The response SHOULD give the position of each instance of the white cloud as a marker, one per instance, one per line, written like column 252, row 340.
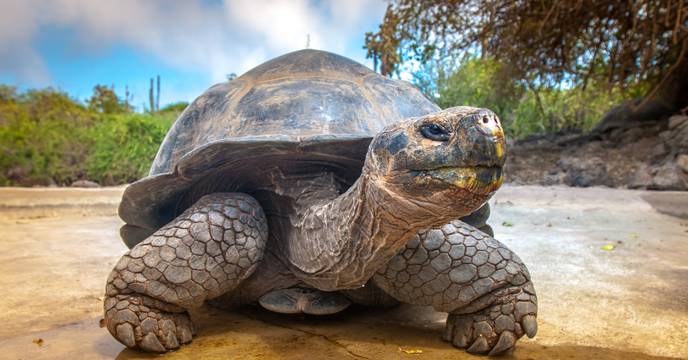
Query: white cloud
column 211, row 38
column 18, row 23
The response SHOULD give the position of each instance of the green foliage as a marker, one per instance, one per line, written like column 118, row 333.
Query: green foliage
column 41, row 138
column 124, row 146
column 524, row 108
column 176, row 108
column 621, row 43
column 482, row 83
column 46, row 137
column 553, row 110
column 104, row 100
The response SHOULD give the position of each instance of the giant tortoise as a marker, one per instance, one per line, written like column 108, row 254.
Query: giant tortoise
column 310, row 183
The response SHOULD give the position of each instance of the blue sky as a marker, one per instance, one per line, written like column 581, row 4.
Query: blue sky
column 192, row 44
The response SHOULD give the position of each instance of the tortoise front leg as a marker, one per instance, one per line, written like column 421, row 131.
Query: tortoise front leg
column 205, row 252
column 483, row 286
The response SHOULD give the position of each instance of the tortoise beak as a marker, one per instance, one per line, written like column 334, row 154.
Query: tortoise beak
column 475, row 179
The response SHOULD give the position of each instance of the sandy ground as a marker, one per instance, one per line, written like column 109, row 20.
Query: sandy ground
column 631, row 302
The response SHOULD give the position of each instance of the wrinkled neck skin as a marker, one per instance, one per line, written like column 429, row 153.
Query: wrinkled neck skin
column 339, row 241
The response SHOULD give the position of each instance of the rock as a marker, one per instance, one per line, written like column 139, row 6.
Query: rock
column 669, row 176
column 659, row 151
column 641, row 178
column 85, row 184
column 682, row 162
column 583, row 172
column 677, row 135
column 677, row 120
column 555, row 178
column 632, row 134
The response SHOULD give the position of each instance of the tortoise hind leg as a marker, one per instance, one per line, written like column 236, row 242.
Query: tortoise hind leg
column 483, row 286
column 205, row 252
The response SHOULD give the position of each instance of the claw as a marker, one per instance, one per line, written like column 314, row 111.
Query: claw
column 125, row 334
column 480, row 346
column 506, row 341
column 461, row 336
column 529, row 324
column 184, row 334
column 151, row 343
column 170, row 341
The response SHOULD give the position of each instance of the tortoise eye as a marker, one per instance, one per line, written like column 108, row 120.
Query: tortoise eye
column 434, row 132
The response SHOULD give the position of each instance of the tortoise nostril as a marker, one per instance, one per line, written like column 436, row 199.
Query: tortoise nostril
column 485, row 120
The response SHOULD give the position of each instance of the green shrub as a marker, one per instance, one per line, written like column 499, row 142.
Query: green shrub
column 523, row 108
column 553, row 110
column 43, row 138
column 48, row 138
column 481, row 83
column 125, row 145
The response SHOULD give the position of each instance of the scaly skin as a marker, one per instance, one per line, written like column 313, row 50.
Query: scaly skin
column 205, row 252
column 483, row 286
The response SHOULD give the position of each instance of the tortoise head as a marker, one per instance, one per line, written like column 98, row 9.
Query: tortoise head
column 449, row 161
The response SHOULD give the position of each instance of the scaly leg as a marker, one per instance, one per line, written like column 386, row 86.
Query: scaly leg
column 203, row 253
column 483, row 286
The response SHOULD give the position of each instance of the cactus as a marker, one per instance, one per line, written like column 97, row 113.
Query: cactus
column 157, row 94
column 154, row 95
column 151, row 101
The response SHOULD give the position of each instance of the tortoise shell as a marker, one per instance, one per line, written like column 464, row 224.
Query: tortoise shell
column 307, row 109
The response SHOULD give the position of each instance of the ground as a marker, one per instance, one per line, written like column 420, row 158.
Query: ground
column 610, row 271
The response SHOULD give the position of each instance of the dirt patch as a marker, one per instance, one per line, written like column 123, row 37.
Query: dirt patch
column 18, row 203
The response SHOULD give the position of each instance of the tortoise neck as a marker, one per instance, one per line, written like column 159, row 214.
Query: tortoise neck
column 339, row 244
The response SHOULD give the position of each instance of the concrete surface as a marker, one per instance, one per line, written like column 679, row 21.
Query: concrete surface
column 631, row 302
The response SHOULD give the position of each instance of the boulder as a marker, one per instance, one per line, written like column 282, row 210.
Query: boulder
column 676, row 136
column 667, row 176
column 584, row 172
column 85, row 184
column 682, row 162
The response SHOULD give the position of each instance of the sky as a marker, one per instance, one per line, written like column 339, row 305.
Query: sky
column 73, row 45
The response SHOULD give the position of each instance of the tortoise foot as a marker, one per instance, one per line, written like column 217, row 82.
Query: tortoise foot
column 494, row 330
column 304, row 300
column 138, row 322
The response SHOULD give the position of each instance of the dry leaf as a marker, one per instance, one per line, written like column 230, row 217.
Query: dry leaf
column 411, row 351
column 38, row 341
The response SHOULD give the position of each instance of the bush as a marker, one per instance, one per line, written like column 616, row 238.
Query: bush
column 125, row 145
column 481, row 83
column 524, row 108
column 43, row 138
column 555, row 110
column 48, row 138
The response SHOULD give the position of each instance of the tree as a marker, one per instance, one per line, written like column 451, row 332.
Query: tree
column 105, row 100
column 625, row 44
column 384, row 46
